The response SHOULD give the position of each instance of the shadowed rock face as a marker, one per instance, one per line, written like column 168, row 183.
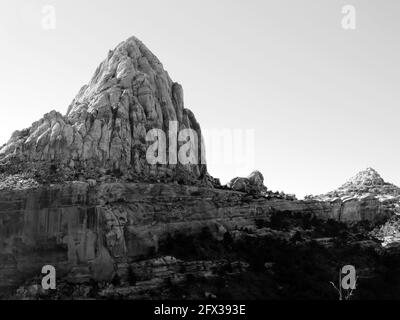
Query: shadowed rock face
column 106, row 124
column 98, row 231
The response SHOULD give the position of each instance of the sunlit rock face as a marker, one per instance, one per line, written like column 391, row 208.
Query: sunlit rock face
column 366, row 196
column 106, row 125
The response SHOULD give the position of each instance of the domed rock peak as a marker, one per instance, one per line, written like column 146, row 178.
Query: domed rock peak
column 366, row 184
column 109, row 126
column 368, row 177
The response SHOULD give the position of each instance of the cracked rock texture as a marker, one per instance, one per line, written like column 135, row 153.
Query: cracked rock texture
column 77, row 192
column 94, row 232
column 254, row 183
column 106, row 124
column 364, row 196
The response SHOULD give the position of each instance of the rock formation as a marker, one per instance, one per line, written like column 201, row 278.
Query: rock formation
column 254, row 183
column 77, row 192
column 97, row 231
column 364, row 195
column 106, row 124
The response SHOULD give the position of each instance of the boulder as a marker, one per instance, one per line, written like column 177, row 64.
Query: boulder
column 254, row 183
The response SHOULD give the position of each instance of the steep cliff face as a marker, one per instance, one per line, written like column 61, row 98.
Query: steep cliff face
column 106, row 125
column 97, row 231
column 126, row 240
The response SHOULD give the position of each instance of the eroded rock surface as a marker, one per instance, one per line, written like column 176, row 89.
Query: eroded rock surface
column 254, row 183
column 366, row 196
column 94, row 232
column 77, row 192
column 124, row 240
column 105, row 127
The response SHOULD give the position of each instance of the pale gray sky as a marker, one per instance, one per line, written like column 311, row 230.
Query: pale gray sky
column 323, row 101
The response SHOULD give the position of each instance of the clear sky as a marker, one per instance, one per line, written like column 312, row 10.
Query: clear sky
column 323, row 101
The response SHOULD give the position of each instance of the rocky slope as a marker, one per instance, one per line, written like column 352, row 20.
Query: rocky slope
column 364, row 194
column 77, row 192
column 106, row 125
column 366, row 183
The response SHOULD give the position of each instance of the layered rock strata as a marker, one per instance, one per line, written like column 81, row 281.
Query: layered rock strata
column 78, row 192
column 363, row 196
column 94, row 231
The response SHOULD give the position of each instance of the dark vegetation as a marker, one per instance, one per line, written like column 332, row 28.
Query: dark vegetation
column 298, row 268
column 284, row 259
